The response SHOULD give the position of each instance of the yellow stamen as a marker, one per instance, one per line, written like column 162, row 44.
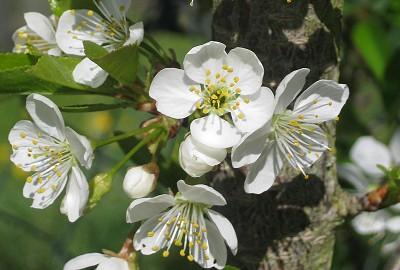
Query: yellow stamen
column 90, row 13
column 165, row 254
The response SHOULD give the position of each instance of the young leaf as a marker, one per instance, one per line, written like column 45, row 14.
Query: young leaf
column 121, row 64
column 13, row 60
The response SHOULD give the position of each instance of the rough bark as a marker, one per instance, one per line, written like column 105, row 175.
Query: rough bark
column 291, row 226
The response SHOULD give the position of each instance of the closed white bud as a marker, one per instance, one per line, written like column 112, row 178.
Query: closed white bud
column 141, row 181
column 196, row 159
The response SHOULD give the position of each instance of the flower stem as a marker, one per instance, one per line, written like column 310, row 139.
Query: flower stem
column 135, row 149
column 125, row 136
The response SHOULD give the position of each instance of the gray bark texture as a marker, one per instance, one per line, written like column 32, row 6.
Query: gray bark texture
column 292, row 225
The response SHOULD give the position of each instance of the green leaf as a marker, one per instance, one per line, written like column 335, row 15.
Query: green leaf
column 228, row 267
column 13, row 60
column 59, row 6
column 121, row 64
column 143, row 156
column 57, row 70
column 371, row 41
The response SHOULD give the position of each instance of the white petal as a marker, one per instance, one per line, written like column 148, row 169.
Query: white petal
column 250, row 147
column 321, row 102
column 139, row 182
column 80, row 147
column 44, row 188
column 77, row 195
column 225, row 228
column 264, row 171
column 395, row 147
column 198, row 159
column 369, row 223
column 46, row 115
column 211, row 156
column 141, row 241
column 117, row 8
column 248, row 68
column 28, row 141
column 214, row 131
column 368, row 152
column 89, row 73
column 54, row 52
column 216, row 245
column 136, row 33
column 256, row 112
column 170, row 89
column 41, row 25
column 355, row 176
column 69, row 38
column 18, row 40
column 393, row 225
column 84, row 261
column 289, row 88
column 113, row 263
column 209, row 56
column 144, row 208
column 200, row 194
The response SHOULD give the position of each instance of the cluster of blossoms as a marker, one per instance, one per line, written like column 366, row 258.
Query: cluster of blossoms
column 364, row 175
column 66, row 35
column 263, row 131
column 229, row 111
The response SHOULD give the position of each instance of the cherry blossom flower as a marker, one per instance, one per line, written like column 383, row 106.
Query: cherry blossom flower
column 215, row 84
column 104, row 262
column 111, row 31
column 38, row 34
column 53, row 152
column 200, row 239
column 292, row 134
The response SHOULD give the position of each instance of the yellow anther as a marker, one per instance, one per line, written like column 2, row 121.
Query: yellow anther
column 155, row 248
column 204, row 246
column 29, row 179
column 90, row 13
column 160, row 219
column 35, row 142
column 337, row 118
column 223, row 80
column 22, row 135
column 40, row 180
column 53, row 187
column 241, row 116
column 236, row 79
column 150, row 234
column 206, row 257
column 208, row 81
column 165, row 254
column 330, row 103
column 198, row 104
column 192, row 88
column 33, row 168
column 238, row 103
column 232, row 85
column 294, row 123
column 208, row 72
column 316, row 116
column 58, row 173
column 178, row 243
column 230, row 69
column 203, row 229
column 214, row 96
column 41, row 190
column 301, row 117
column 238, row 90
column 234, row 107
column 225, row 67
column 206, row 110
column 182, row 253
column 191, row 244
column 190, row 258
column 217, row 76
column 15, row 147
column 22, row 35
column 306, row 177
column 246, row 100
column 296, row 143
column 315, row 101
column 289, row 156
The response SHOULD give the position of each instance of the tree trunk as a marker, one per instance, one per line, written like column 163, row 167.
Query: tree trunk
column 292, row 225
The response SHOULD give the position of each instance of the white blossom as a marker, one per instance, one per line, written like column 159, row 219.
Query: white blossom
column 292, row 134
column 197, row 159
column 215, row 84
column 111, row 31
column 364, row 175
column 187, row 222
column 104, row 262
column 38, row 34
column 53, row 152
column 140, row 181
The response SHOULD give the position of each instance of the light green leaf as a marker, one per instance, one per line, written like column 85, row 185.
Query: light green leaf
column 121, row 64
column 13, row 60
column 228, row 267
column 371, row 41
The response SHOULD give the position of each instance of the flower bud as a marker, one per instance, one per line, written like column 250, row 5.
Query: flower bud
column 197, row 159
column 141, row 180
column 99, row 186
